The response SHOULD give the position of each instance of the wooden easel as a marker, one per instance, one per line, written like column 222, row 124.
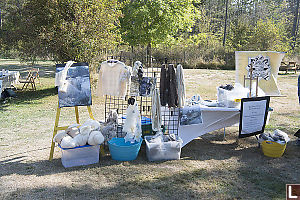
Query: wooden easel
column 57, row 128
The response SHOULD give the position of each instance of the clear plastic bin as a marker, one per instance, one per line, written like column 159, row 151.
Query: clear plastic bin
column 82, row 155
column 170, row 150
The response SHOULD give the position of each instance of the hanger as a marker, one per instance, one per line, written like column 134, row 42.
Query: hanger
column 112, row 61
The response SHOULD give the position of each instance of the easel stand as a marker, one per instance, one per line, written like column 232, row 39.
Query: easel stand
column 58, row 128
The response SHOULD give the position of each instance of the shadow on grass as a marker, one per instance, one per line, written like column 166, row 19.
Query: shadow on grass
column 27, row 97
column 255, row 177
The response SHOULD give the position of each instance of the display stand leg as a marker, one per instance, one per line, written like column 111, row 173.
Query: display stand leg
column 54, row 132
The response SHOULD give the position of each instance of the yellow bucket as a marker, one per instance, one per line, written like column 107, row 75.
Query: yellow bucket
column 273, row 149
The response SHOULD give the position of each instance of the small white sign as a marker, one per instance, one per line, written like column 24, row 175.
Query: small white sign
column 253, row 116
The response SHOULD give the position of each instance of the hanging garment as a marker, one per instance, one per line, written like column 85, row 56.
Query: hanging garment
column 134, row 86
column 156, row 112
column 180, row 86
column 163, row 89
column 168, row 86
column 147, row 85
column 137, row 76
column 173, row 93
column 114, row 77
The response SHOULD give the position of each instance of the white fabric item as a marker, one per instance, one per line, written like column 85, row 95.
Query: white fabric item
column 114, row 77
column 156, row 111
column 68, row 142
column 214, row 118
column 60, row 77
column 95, row 138
column 132, row 125
column 180, row 86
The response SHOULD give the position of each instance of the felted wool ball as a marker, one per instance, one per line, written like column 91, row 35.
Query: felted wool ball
column 95, row 125
column 85, row 130
column 95, row 138
column 81, row 139
column 67, row 142
column 72, row 131
column 59, row 136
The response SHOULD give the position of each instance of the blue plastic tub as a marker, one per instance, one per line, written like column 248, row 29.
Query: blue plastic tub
column 119, row 150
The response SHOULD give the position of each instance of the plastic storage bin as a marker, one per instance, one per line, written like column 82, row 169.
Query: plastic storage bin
column 82, row 155
column 272, row 149
column 119, row 150
column 170, row 150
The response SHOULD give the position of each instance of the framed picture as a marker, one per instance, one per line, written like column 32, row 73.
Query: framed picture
column 77, row 91
column 190, row 115
column 254, row 112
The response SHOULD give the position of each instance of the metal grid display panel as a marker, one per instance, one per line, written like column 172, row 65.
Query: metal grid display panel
column 170, row 116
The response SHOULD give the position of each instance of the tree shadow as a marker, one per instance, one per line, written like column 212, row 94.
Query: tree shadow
column 27, row 97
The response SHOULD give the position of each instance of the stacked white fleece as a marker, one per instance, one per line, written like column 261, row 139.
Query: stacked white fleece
column 75, row 135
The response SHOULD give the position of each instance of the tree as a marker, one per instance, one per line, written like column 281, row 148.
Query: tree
column 151, row 22
column 66, row 29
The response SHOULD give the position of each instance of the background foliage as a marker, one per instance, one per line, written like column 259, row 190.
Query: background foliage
column 193, row 31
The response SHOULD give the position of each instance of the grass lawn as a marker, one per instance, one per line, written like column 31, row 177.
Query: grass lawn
column 210, row 168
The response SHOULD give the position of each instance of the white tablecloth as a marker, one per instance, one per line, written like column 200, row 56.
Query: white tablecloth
column 8, row 79
column 214, row 118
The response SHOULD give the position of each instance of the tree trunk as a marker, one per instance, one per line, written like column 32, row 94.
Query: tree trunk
column 149, row 55
column 295, row 25
column 226, row 14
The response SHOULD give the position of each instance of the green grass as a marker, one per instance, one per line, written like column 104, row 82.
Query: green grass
column 210, row 168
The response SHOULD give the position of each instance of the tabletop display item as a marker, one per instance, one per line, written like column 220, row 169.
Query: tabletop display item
column 265, row 67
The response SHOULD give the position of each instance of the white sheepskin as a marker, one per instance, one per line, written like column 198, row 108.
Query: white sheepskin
column 67, row 142
column 95, row 138
column 59, row 136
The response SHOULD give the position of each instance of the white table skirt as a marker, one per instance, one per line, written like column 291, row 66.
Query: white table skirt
column 214, row 118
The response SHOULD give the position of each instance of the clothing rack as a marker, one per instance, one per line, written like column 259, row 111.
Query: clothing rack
column 170, row 116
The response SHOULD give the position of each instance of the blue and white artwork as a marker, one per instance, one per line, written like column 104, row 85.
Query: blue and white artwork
column 78, row 87
column 190, row 115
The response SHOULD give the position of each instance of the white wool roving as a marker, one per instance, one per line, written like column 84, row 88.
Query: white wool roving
column 67, row 142
column 95, row 125
column 59, row 136
column 95, row 138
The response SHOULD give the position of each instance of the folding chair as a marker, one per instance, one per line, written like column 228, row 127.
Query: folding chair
column 32, row 75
